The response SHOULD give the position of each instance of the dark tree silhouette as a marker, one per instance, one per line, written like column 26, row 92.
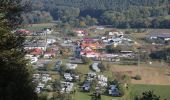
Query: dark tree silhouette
column 15, row 79
column 148, row 95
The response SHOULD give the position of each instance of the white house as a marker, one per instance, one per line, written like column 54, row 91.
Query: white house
column 67, row 87
column 95, row 67
column 51, row 41
column 71, row 66
column 102, row 80
column 68, row 76
column 48, row 30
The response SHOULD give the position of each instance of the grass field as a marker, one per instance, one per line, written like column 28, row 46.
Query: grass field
column 162, row 90
column 37, row 27
column 86, row 96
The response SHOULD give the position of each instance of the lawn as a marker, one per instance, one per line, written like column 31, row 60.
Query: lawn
column 37, row 27
column 82, row 68
column 162, row 90
column 86, row 96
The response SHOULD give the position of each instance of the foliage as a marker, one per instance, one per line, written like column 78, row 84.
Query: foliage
column 113, row 49
column 59, row 96
column 42, row 96
column 121, row 89
column 86, row 60
column 118, row 13
column 163, row 54
column 96, row 96
column 63, row 68
column 93, row 86
column 148, row 95
column 102, row 67
column 138, row 77
column 56, row 85
column 37, row 17
column 108, row 66
column 15, row 74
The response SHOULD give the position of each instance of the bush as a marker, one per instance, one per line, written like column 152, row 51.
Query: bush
column 138, row 77
column 86, row 60
column 102, row 67
column 121, row 89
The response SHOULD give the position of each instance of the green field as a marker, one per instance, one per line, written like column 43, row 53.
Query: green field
column 162, row 90
column 38, row 27
column 86, row 96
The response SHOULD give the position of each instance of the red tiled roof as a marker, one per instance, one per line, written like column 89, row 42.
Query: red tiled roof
column 37, row 51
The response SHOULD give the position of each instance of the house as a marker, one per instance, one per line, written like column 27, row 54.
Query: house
column 91, row 76
column 23, row 32
column 108, row 57
column 102, row 80
column 36, row 51
column 59, row 62
column 40, row 44
column 74, row 60
column 159, row 34
column 71, row 66
column 89, row 54
column 66, row 87
column 115, row 41
column 95, row 67
column 48, row 30
column 68, row 76
column 113, row 90
column 86, row 86
column 50, row 54
column 39, row 87
column 31, row 58
column 100, row 28
column 116, row 33
column 88, row 40
column 80, row 32
column 46, row 78
column 38, row 33
column 51, row 41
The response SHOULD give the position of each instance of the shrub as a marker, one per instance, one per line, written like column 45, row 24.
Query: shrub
column 138, row 77
column 86, row 60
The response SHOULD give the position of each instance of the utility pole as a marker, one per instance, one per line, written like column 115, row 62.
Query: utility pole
column 138, row 61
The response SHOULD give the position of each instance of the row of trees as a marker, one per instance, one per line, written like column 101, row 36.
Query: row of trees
column 163, row 54
column 37, row 17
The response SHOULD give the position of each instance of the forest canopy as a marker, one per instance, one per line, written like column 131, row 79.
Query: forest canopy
column 119, row 13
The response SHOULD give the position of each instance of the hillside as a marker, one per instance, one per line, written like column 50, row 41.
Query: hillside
column 119, row 13
column 103, row 4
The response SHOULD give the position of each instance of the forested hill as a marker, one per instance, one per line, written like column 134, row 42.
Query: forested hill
column 119, row 13
column 104, row 4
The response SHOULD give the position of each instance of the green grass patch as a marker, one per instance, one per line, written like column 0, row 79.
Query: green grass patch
column 37, row 27
column 161, row 90
column 83, row 68
column 86, row 96
column 81, row 96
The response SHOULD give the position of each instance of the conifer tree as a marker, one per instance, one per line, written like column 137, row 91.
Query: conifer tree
column 15, row 79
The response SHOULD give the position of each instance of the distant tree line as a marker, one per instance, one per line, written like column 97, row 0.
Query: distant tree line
column 118, row 13
column 37, row 17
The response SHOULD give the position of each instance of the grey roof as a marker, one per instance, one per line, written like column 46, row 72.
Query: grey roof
column 160, row 33
column 35, row 44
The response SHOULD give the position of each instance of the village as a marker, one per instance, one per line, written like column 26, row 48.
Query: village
column 88, row 63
